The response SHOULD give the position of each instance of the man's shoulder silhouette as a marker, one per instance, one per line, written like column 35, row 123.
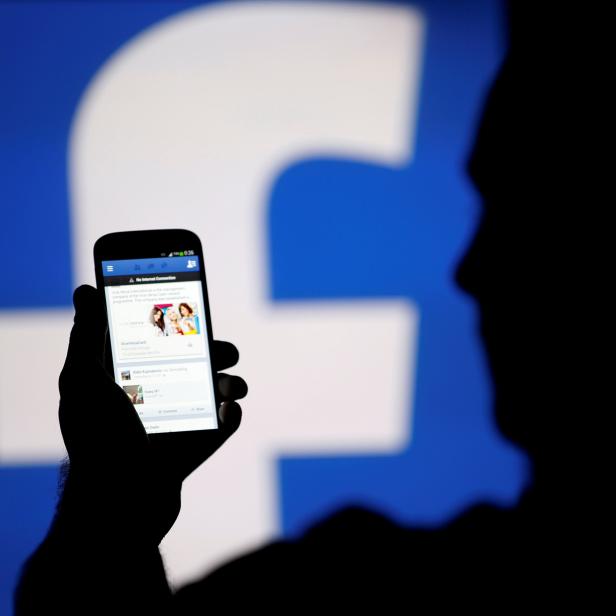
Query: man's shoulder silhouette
column 357, row 556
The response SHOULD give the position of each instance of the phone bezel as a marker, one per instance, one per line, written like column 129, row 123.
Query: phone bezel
column 151, row 244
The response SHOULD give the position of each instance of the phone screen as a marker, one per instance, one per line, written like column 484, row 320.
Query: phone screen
column 159, row 342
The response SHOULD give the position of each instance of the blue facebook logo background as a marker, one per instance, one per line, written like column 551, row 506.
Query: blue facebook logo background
column 337, row 229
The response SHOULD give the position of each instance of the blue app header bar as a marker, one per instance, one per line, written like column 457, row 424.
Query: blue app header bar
column 135, row 267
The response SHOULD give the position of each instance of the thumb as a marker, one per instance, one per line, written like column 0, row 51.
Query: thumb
column 83, row 369
column 87, row 340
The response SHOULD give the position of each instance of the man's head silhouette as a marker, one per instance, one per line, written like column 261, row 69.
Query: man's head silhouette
column 504, row 267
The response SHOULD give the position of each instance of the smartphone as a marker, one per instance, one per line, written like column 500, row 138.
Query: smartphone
column 159, row 344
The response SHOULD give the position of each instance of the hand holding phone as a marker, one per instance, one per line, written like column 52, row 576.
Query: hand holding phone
column 117, row 463
column 120, row 475
column 122, row 491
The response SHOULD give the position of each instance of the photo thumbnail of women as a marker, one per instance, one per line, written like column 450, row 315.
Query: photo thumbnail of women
column 175, row 320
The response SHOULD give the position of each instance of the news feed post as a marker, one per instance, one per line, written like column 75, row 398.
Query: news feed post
column 159, row 343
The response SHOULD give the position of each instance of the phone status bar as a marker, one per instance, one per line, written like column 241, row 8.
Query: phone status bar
column 178, row 253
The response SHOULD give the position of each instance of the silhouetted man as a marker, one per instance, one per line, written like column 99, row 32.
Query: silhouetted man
column 119, row 500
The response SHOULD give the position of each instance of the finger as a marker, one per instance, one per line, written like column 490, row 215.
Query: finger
column 231, row 387
column 225, row 355
column 230, row 414
column 90, row 325
column 83, row 363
